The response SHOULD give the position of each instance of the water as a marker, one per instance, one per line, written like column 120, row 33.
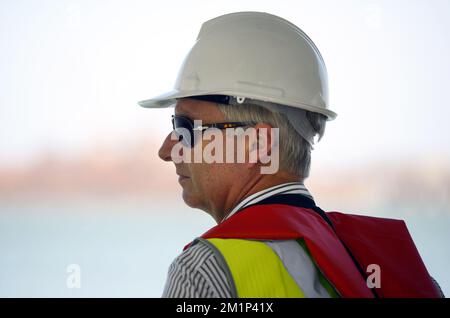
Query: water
column 124, row 248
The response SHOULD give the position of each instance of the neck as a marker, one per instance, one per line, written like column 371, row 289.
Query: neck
column 257, row 183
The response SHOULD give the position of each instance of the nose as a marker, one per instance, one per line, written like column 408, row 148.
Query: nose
column 166, row 148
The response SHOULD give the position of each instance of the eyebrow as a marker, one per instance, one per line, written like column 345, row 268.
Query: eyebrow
column 186, row 113
column 183, row 113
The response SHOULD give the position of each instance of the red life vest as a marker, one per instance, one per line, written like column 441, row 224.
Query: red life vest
column 371, row 240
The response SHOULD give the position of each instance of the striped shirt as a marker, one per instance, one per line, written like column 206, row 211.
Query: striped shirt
column 197, row 272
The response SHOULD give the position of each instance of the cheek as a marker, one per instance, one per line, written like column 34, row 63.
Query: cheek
column 200, row 173
column 207, row 178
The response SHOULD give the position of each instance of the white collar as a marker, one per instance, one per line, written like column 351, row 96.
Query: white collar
column 285, row 188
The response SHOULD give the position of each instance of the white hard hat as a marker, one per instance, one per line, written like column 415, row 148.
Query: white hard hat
column 252, row 55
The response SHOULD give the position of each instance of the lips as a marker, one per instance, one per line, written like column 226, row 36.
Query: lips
column 182, row 177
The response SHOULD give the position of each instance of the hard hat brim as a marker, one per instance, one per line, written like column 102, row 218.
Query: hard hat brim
column 169, row 99
column 162, row 101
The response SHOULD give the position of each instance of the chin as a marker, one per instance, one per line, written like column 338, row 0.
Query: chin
column 191, row 201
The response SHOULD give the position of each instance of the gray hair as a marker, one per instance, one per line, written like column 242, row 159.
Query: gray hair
column 295, row 151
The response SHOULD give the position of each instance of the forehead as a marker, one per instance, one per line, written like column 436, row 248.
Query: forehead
column 198, row 109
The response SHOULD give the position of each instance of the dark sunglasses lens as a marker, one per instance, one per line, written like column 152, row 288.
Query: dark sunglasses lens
column 183, row 128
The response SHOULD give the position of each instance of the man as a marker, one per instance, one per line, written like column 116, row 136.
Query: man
column 250, row 98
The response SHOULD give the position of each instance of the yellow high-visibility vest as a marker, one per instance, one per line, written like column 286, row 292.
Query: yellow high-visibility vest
column 254, row 270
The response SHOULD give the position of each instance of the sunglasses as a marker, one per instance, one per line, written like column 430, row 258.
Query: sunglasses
column 184, row 128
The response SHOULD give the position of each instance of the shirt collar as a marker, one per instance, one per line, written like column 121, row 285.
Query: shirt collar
column 285, row 188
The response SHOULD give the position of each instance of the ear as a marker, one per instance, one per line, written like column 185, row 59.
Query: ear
column 261, row 148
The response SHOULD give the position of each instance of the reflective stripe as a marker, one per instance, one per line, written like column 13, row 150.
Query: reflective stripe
column 256, row 269
column 299, row 265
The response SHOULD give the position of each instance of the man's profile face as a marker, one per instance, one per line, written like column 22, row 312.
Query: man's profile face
column 205, row 185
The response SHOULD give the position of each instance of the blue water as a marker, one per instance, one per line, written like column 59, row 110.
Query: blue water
column 124, row 248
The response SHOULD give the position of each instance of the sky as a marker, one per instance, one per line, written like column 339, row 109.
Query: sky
column 71, row 72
